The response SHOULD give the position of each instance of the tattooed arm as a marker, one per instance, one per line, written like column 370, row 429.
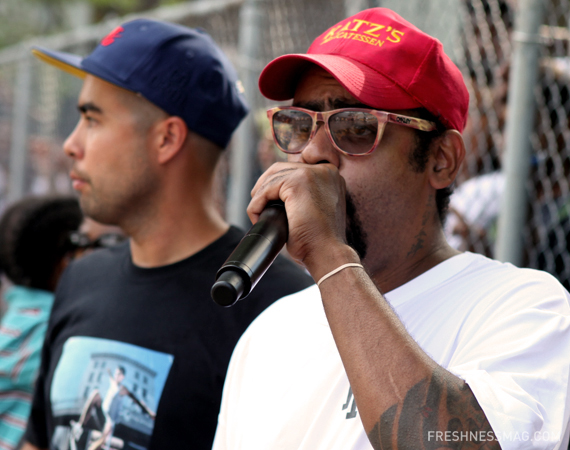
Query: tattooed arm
column 439, row 412
column 405, row 400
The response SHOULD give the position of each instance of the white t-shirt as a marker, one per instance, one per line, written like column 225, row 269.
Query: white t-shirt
column 504, row 330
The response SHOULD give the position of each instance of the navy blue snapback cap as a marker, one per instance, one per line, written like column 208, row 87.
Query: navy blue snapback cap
column 179, row 69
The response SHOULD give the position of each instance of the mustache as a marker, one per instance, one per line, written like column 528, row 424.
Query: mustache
column 75, row 173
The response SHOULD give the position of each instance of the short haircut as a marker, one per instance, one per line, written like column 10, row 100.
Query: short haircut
column 144, row 112
column 34, row 238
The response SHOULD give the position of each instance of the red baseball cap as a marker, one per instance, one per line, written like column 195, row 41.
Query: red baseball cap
column 384, row 62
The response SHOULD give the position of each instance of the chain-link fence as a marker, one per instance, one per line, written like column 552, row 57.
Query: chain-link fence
column 38, row 107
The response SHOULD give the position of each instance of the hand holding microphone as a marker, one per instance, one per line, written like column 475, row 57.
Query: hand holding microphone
column 314, row 193
column 252, row 257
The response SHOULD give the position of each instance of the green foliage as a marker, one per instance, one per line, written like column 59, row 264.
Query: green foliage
column 23, row 19
column 125, row 5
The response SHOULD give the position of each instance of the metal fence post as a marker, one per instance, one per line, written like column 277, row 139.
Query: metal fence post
column 244, row 151
column 19, row 145
column 520, row 121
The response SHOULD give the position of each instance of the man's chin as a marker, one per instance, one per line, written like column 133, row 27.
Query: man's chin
column 93, row 211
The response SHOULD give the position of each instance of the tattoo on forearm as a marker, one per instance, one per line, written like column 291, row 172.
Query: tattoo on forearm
column 437, row 413
column 382, row 431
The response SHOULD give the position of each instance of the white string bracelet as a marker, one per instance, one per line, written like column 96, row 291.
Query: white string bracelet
column 337, row 270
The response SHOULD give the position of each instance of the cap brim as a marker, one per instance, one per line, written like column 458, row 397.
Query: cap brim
column 279, row 80
column 65, row 61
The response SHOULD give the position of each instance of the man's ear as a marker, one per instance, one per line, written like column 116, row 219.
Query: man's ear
column 447, row 158
column 170, row 135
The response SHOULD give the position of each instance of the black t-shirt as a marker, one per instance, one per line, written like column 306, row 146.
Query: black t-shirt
column 137, row 357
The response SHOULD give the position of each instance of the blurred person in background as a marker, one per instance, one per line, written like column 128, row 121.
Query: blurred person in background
column 549, row 200
column 475, row 205
column 34, row 250
column 159, row 104
column 93, row 235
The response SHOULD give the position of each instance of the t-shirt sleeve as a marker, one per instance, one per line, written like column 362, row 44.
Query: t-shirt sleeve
column 515, row 358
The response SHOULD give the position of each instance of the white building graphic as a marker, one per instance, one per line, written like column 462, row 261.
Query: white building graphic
column 139, row 380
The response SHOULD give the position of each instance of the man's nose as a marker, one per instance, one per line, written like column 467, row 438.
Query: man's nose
column 320, row 149
column 72, row 146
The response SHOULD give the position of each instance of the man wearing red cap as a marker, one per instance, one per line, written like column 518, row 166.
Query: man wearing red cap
column 418, row 345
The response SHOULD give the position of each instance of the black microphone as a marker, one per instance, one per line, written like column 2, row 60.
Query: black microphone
column 252, row 257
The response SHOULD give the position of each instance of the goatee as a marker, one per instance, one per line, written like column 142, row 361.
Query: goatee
column 355, row 234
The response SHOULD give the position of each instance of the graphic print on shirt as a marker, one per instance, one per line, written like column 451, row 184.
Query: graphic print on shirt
column 350, row 402
column 105, row 393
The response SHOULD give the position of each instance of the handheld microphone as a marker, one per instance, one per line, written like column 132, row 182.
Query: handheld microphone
column 252, row 257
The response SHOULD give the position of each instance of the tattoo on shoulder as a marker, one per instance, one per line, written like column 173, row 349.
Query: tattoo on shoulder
column 438, row 413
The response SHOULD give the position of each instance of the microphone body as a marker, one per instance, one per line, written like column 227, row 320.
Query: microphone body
column 252, row 257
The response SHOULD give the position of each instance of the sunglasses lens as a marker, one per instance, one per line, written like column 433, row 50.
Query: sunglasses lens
column 353, row 131
column 292, row 129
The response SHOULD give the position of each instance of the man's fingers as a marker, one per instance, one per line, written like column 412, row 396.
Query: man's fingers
column 284, row 180
column 268, row 188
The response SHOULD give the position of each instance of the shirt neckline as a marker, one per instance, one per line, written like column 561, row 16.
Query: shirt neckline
column 198, row 259
column 427, row 280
